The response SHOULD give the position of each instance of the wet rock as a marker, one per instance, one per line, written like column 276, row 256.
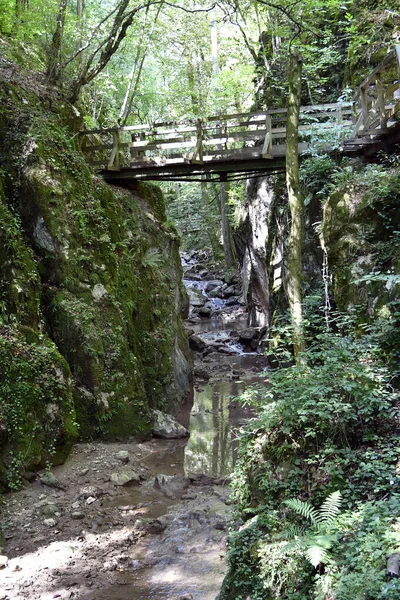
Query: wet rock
column 123, row 456
column 247, row 335
column 51, row 481
column 196, row 297
column 171, row 485
column 165, row 426
column 211, row 285
column 201, row 373
column 125, row 478
column 205, row 312
column 196, row 343
column 229, row 291
column 152, row 526
column 233, row 301
column 216, row 292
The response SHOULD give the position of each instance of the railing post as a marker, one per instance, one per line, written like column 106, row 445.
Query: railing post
column 266, row 151
column 397, row 52
column 381, row 102
column 198, row 151
column 113, row 163
column 364, row 106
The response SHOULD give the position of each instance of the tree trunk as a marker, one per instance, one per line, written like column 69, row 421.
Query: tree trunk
column 54, row 53
column 227, row 241
column 296, row 203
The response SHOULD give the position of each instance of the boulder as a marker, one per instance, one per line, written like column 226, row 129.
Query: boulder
column 171, row 485
column 229, row 291
column 196, row 297
column 211, row 285
column 201, row 373
column 51, row 481
column 165, row 426
column 205, row 312
column 196, row 343
column 249, row 334
column 125, row 478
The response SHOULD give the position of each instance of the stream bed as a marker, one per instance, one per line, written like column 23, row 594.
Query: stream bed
column 163, row 537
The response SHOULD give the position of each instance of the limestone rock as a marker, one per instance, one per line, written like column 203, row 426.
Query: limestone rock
column 196, row 297
column 165, row 426
column 51, row 481
column 125, row 478
column 123, row 456
column 196, row 343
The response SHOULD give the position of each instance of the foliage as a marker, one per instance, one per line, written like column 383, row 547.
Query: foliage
column 323, row 425
column 36, row 406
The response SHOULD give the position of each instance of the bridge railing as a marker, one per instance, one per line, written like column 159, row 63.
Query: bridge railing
column 377, row 99
column 223, row 137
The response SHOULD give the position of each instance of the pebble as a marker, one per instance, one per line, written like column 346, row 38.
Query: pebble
column 50, row 522
column 77, row 515
column 90, row 500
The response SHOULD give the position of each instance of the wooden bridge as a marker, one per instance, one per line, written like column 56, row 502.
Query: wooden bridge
column 233, row 146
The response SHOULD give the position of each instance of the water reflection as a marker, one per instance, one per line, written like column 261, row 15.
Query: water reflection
column 215, row 418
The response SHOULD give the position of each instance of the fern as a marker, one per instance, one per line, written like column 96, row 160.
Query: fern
column 303, row 509
column 330, row 508
column 313, row 543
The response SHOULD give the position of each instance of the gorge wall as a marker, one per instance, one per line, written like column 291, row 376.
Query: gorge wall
column 91, row 336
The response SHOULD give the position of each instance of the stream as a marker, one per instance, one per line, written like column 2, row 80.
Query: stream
column 165, row 538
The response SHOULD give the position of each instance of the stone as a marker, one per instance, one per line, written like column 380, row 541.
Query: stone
column 50, row 522
column 165, row 426
column 49, row 509
column 196, row 297
column 171, row 485
column 153, row 526
column 216, row 293
column 247, row 335
column 3, row 561
column 196, row 343
column 125, row 478
column 90, row 500
column 205, row 312
column 211, row 285
column 229, row 291
column 51, row 481
column 77, row 515
column 123, row 456
column 201, row 373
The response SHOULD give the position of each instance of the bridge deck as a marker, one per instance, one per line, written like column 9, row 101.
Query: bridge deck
column 226, row 146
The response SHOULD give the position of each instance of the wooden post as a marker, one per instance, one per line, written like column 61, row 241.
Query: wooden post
column 266, row 151
column 381, row 102
column 364, row 106
column 113, row 163
column 397, row 51
column 198, row 151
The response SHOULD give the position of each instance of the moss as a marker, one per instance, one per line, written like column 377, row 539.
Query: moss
column 37, row 414
column 106, row 275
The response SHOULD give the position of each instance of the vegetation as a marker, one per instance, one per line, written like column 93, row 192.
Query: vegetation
column 90, row 276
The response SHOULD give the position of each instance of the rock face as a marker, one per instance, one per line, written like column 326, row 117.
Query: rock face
column 165, row 426
column 100, row 267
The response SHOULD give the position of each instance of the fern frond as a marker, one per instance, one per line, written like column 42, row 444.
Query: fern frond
column 303, row 509
column 329, row 508
column 292, row 532
column 316, row 555
column 295, row 545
